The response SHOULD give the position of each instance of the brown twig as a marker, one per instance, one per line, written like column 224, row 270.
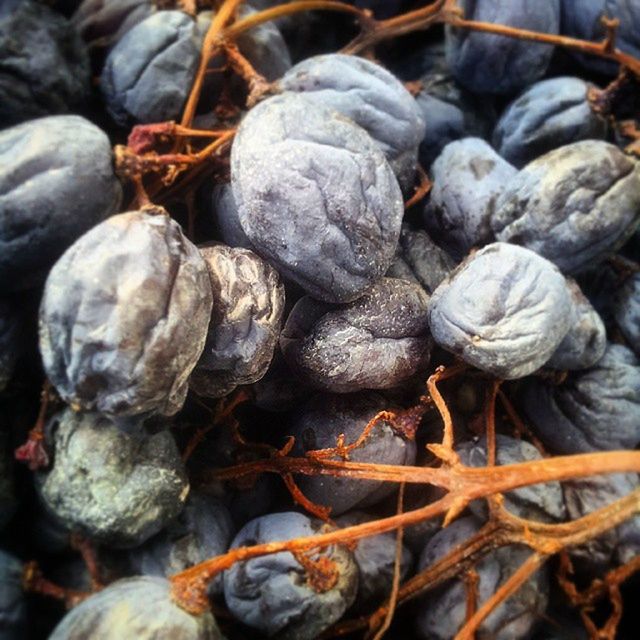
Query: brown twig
column 34, row 582
column 397, row 568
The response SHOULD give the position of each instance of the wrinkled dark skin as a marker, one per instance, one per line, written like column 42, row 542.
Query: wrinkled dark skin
column 442, row 612
column 375, row 557
column 245, row 321
column 148, row 74
column 13, row 606
column 370, row 96
column 317, row 426
column 489, row 63
column 315, row 196
column 615, row 547
column 45, row 66
column 549, row 114
column 376, row 342
column 586, row 341
column 56, row 182
column 468, row 177
column 504, row 310
column 574, row 205
column 124, row 316
column 117, row 488
column 540, row 502
column 597, row 409
column 420, row 260
column 139, row 608
column 627, row 311
column 202, row 530
column 271, row 593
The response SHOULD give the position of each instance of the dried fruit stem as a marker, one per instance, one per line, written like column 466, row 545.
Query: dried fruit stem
column 506, row 590
column 220, row 19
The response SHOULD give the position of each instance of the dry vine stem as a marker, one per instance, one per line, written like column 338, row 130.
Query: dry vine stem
column 463, row 483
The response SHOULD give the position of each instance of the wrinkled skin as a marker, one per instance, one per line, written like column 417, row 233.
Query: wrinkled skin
column 139, row 608
column 13, row 607
column 549, row 114
column 117, row 488
column 272, row 593
column 420, row 260
column 315, row 196
column 442, row 612
column 148, row 74
column 582, row 19
column 450, row 113
column 597, row 409
column 45, row 67
column 370, row 96
column 586, row 341
column 468, row 177
column 627, row 311
column 56, row 182
column 124, row 316
column 376, row 342
column 504, row 310
column 203, row 530
column 540, row 502
column 245, row 321
column 489, row 63
column 318, row 425
column 616, row 546
column 573, row 206
column 375, row 557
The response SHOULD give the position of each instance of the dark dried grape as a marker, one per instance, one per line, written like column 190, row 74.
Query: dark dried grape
column 124, row 316
column 489, row 63
column 370, row 96
column 468, row 178
column 504, row 310
column 45, row 67
column 245, row 321
column 56, row 182
column 148, row 74
column 574, row 205
column 376, row 342
column 549, row 114
column 275, row 594
column 443, row 612
column 593, row 410
column 117, row 488
column 319, row 424
column 315, row 196
column 540, row 502
column 586, row 341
